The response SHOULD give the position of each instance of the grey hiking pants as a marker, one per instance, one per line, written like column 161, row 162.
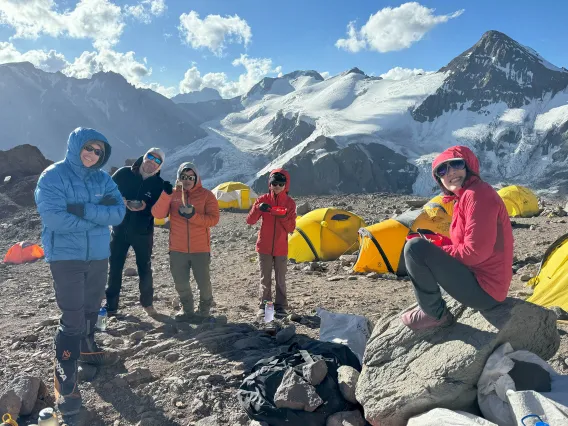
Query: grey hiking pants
column 430, row 268
column 181, row 264
column 79, row 290
column 280, row 263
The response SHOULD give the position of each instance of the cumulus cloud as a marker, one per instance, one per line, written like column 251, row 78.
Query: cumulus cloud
column 50, row 61
column 213, row 32
column 255, row 70
column 399, row 73
column 145, row 10
column 392, row 29
column 99, row 20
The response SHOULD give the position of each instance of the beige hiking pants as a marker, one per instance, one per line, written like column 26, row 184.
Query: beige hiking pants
column 266, row 263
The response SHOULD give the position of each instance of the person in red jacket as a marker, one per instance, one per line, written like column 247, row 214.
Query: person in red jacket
column 475, row 267
column 277, row 210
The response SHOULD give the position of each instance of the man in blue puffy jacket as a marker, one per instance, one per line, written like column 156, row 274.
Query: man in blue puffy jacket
column 77, row 202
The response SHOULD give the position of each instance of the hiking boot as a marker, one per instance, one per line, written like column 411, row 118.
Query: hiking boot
column 184, row 316
column 150, row 311
column 417, row 319
column 92, row 354
column 280, row 312
column 65, row 386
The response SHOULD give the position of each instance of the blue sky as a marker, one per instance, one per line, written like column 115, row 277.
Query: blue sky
column 175, row 45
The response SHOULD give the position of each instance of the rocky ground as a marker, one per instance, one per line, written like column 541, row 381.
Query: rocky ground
column 179, row 374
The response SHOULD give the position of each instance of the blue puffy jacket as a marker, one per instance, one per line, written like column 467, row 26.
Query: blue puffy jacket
column 66, row 236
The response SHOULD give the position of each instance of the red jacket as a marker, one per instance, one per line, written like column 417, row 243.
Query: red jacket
column 481, row 232
column 273, row 235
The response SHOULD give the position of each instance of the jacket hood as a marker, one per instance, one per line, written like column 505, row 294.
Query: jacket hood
column 285, row 173
column 77, row 139
column 457, row 152
column 189, row 165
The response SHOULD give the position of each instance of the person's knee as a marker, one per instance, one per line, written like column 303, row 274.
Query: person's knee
column 416, row 248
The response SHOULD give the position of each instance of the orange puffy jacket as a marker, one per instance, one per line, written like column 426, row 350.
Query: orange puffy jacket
column 189, row 235
column 273, row 234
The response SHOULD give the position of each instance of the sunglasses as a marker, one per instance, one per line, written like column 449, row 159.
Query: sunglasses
column 278, row 183
column 155, row 159
column 186, row 177
column 445, row 168
column 98, row 152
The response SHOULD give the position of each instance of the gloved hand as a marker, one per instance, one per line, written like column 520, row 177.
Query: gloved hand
column 186, row 211
column 263, row 207
column 76, row 209
column 167, row 187
column 108, row 200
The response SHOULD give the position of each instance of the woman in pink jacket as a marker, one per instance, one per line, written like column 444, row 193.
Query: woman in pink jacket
column 475, row 267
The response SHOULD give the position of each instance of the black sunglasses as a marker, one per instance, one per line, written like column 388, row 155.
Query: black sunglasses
column 278, row 183
column 98, row 152
column 155, row 159
column 186, row 177
column 445, row 168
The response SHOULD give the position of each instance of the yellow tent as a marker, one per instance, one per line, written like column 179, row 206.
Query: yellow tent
column 382, row 244
column 324, row 234
column 234, row 195
column 551, row 283
column 520, row 201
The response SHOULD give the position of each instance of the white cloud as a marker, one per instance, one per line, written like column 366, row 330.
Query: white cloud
column 398, row 73
column 168, row 92
column 98, row 20
column 393, row 29
column 51, row 61
column 214, row 31
column 256, row 69
column 325, row 75
column 145, row 10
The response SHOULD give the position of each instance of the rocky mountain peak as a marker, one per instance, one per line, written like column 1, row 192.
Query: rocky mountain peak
column 495, row 69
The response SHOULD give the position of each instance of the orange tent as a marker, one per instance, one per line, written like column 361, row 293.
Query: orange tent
column 23, row 252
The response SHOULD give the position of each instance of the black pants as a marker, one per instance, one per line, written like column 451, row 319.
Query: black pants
column 119, row 245
column 430, row 268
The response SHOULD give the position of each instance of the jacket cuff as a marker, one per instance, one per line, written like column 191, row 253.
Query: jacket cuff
column 90, row 211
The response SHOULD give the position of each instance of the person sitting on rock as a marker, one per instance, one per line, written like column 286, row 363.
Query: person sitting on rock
column 475, row 267
column 193, row 212
column 272, row 243
column 140, row 186
column 77, row 202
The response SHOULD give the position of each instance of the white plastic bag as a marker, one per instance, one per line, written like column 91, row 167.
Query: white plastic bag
column 347, row 329
column 495, row 382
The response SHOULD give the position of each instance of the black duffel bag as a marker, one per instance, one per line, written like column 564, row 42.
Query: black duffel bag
column 256, row 393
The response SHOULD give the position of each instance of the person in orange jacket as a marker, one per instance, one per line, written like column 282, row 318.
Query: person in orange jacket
column 277, row 210
column 193, row 211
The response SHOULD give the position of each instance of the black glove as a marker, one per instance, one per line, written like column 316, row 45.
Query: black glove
column 168, row 188
column 264, row 207
column 108, row 200
column 186, row 211
column 76, row 209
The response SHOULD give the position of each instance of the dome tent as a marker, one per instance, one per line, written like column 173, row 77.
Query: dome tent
column 519, row 201
column 235, row 195
column 324, row 234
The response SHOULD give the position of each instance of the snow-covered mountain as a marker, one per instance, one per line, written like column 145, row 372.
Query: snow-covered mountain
column 41, row 109
column 356, row 133
column 203, row 95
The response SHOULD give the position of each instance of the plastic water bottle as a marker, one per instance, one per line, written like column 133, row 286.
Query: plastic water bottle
column 268, row 311
column 102, row 319
column 47, row 417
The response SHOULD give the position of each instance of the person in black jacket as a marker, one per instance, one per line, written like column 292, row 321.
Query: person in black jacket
column 140, row 186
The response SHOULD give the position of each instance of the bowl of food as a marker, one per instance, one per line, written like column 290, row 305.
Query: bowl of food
column 134, row 204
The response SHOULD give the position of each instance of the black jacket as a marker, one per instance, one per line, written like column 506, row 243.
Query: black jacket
column 133, row 187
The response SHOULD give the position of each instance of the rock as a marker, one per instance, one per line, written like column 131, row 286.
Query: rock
column 87, row 372
column 48, row 322
column 20, row 396
column 372, row 275
column 137, row 335
column 315, row 372
column 130, row 272
column 347, row 259
column 172, row 356
column 416, row 203
column 302, row 209
column 346, row 418
column 139, row 375
column 335, row 278
column 406, row 373
column 561, row 314
column 295, row 393
column 10, row 403
column 255, row 342
column 347, row 378
column 285, row 334
column 208, row 421
column 526, row 277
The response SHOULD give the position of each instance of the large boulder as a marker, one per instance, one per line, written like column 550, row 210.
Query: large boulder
column 406, row 373
column 21, row 161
